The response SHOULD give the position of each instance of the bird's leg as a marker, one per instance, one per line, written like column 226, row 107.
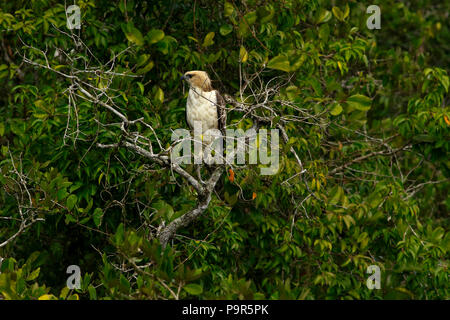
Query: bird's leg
column 198, row 166
column 199, row 174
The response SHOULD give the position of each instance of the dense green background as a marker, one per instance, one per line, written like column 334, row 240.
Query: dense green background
column 369, row 91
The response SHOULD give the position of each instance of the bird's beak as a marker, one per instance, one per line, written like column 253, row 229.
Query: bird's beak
column 182, row 78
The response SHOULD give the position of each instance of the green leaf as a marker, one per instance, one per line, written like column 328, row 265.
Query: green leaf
column 34, row 274
column 324, row 16
column 424, row 138
column 62, row 193
column 164, row 209
column 97, row 216
column 124, row 284
column 71, row 201
column 359, row 102
column 159, row 95
column 64, row 292
column 348, row 220
column 143, row 58
column 250, row 18
column 124, row 96
column 154, row 35
column 225, row 29
column 336, row 109
column 268, row 14
column 194, row 289
column 141, row 87
column 228, row 9
column 147, row 68
column 338, row 13
column 92, row 293
column 208, row 39
column 279, row 63
column 335, row 195
column 243, row 55
column 231, row 199
column 445, row 82
column 347, row 11
column 119, row 236
column 324, row 32
column 135, row 36
column 47, row 297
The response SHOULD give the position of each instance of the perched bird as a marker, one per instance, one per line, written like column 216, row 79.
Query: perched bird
column 204, row 104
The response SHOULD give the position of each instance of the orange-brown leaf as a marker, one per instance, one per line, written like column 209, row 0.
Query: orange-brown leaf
column 231, row 175
column 447, row 120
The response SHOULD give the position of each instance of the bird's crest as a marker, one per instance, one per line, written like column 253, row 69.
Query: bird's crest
column 198, row 79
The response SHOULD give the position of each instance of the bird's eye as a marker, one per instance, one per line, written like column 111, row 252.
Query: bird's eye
column 189, row 76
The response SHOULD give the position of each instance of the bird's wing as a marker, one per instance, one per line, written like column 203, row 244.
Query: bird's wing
column 221, row 112
column 186, row 115
column 186, row 118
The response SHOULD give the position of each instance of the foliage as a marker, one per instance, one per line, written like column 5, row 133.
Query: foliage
column 374, row 148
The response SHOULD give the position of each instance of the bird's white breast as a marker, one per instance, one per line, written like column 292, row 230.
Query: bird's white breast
column 201, row 106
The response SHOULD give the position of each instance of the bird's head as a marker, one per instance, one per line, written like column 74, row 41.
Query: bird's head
column 198, row 80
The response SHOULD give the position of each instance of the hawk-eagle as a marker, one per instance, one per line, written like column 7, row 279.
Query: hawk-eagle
column 204, row 104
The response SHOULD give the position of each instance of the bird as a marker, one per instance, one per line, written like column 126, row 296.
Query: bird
column 204, row 104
